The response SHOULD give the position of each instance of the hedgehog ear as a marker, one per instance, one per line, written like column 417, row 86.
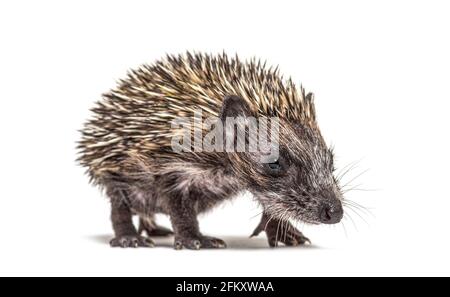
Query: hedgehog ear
column 235, row 106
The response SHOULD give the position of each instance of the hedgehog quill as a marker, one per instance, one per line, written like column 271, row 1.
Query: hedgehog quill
column 127, row 148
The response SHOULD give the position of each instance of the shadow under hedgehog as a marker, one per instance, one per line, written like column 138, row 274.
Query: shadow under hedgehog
column 126, row 148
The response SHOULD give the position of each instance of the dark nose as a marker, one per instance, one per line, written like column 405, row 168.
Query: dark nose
column 330, row 214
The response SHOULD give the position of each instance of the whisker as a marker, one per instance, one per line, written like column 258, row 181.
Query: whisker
column 347, row 215
column 350, row 166
column 358, row 206
column 343, row 169
column 354, row 178
column 357, row 213
column 345, row 230
column 278, row 227
column 359, row 189
column 258, row 214
column 345, row 189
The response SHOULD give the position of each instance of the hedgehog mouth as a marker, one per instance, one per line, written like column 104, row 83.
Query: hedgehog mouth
column 299, row 215
column 310, row 217
column 307, row 220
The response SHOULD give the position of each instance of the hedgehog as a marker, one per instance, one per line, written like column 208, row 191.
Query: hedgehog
column 127, row 149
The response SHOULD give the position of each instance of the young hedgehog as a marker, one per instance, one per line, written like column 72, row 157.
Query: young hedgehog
column 126, row 148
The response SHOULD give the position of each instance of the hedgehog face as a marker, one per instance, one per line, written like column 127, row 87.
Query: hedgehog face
column 299, row 182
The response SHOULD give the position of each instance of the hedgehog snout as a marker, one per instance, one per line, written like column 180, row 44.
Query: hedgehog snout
column 330, row 212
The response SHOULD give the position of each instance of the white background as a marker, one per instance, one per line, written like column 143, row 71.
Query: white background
column 380, row 72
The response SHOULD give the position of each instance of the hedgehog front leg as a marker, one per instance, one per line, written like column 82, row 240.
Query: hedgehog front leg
column 279, row 231
column 185, row 225
column 126, row 235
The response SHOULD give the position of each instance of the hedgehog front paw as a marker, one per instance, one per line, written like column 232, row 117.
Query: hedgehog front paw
column 283, row 232
column 131, row 241
column 199, row 242
column 291, row 237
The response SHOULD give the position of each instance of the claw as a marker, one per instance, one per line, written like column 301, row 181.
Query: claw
column 306, row 240
column 197, row 245
column 178, row 245
column 204, row 242
column 257, row 230
column 131, row 241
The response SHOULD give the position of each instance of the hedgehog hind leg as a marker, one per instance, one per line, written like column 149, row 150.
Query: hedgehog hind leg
column 148, row 225
column 126, row 235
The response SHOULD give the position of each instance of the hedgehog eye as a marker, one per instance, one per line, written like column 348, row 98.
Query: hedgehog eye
column 276, row 166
